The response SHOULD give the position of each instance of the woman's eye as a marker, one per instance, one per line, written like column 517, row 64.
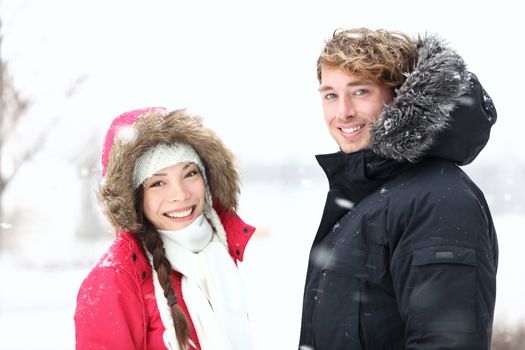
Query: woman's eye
column 156, row 184
column 191, row 173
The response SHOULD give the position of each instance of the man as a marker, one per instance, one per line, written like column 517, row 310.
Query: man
column 406, row 253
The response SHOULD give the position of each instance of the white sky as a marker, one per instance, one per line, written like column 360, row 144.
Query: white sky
column 248, row 67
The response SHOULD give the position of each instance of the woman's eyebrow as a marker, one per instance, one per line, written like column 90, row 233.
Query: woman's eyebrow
column 188, row 165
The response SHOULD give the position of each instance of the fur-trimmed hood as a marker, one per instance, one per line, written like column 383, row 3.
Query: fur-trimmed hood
column 441, row 110
column 133, row 133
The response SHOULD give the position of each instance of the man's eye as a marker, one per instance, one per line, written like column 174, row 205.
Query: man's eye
column 360, row 92
column 330, row 96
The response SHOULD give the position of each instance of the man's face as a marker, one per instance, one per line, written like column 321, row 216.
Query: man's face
column 350, row 106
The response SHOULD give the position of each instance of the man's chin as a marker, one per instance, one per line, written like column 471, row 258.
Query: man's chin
column 350, row 148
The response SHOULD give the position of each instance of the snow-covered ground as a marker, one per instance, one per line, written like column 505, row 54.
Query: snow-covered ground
column 37, row 297
column 85, row 61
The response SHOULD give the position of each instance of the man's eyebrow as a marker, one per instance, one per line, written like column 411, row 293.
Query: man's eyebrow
column 354, row 83
column 325, row 88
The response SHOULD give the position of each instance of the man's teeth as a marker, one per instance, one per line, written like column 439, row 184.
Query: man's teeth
column 349, row 130
column 179, row 214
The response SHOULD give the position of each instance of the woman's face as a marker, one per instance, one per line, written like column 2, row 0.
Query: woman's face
column 174, row 196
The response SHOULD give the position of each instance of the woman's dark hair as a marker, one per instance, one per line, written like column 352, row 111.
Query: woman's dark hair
column 153, row 243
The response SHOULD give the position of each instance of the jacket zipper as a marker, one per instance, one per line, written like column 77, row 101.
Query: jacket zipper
column 363, row 343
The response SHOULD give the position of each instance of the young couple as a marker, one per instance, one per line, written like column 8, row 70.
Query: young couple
column 405, row 256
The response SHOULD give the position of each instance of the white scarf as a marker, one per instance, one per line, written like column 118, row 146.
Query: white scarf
column 211, row 288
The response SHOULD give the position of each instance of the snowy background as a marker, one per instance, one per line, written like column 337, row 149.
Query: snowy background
column 247, row 67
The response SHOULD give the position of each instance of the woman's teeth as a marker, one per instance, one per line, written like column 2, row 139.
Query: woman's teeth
column 179, row 214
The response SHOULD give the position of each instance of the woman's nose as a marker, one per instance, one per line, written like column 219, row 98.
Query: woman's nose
column 178, row 192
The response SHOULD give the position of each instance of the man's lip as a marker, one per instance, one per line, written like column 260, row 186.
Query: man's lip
column 351, row 130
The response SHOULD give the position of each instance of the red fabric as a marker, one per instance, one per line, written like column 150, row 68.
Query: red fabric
column 116, row 305
column 232, row 222
column 125, row 119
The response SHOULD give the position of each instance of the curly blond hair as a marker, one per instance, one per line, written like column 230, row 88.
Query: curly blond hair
column 378, row 55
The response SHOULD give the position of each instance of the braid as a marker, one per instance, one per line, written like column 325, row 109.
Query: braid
column 162, row 266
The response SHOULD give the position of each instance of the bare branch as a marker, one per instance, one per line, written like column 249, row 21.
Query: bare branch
column 31, row 152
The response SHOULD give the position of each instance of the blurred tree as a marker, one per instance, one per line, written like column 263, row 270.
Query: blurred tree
column 12, row 108
column 92, row 224
column 508, row 338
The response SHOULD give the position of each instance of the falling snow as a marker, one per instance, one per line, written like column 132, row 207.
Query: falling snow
column 466, row 101
column 58, row 274
column 344, row 203
column 126, row 134
column 305, row 347
column 322, row 256
column 387, row 124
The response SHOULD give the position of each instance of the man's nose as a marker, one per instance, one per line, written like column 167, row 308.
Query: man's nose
column 345, row 109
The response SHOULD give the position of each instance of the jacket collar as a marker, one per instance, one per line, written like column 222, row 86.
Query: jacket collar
column 356, row 175
column 351, row 178
column 238, row 233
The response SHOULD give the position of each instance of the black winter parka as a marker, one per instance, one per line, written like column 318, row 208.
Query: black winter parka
column 405, row 256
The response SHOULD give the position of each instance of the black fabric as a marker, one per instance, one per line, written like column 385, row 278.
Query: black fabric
column 410, row 266
column 405, row 256
column 469, row 127
column 365, row 170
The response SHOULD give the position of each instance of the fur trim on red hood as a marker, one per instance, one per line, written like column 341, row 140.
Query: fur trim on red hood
column 132, row 133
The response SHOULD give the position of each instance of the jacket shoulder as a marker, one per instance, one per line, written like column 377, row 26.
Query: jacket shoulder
column 121, row 254
column 437, row 203
column 435, row 177
column 124, row 262
column 110, row 297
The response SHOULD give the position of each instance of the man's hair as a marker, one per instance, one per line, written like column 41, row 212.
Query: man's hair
column 378, row 55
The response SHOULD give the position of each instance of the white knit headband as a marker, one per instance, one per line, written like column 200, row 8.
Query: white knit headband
column 162, row 156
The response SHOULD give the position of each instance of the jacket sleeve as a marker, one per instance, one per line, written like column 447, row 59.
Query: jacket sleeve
column 109, row 312
column 445, row 280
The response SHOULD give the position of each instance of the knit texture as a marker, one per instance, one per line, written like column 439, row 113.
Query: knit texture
column 163, row 156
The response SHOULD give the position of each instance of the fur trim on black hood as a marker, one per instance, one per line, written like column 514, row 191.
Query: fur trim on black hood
column 440, row 110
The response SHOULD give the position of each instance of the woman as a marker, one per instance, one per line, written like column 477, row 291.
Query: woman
column 169, row 280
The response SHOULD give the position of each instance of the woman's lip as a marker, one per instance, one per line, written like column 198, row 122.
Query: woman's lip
column 187, row 212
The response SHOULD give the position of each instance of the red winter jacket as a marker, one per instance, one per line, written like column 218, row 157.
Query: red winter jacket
column 116, row 305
